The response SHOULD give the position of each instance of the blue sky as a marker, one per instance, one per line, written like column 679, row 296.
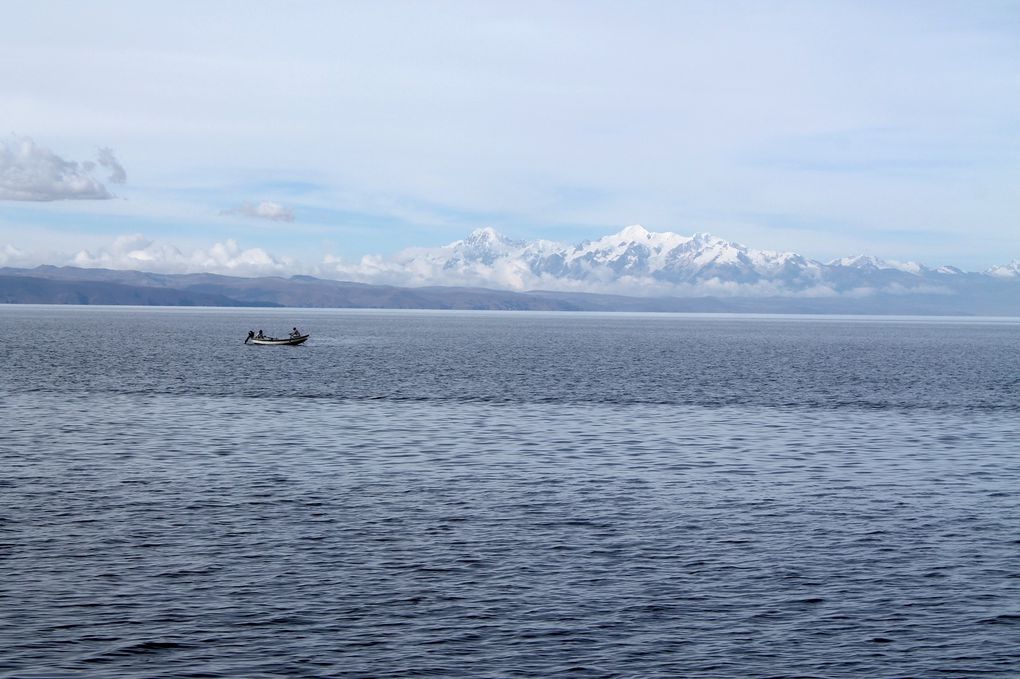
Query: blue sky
column 301, row 130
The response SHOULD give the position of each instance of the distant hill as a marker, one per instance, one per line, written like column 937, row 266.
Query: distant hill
column 982, row 295
column 22, row 289
column 71, row 285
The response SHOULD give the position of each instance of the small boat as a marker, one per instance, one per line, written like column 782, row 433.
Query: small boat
column 297, row 339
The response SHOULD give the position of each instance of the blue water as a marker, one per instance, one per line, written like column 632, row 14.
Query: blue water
column 507, row 494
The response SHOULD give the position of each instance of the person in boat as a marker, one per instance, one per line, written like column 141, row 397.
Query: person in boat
column 251, row 336
column 295, row 333
column 260, row 335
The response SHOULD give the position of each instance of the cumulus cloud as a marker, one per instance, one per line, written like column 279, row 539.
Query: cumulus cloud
column 34, row 173
column 12, row 256
column 263, row 210
column 410, row 268
column 135, row 251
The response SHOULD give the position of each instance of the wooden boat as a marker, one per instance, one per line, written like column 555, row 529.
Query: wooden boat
column 274, row 341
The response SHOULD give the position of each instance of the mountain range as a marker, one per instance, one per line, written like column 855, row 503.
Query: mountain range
column 639, row 262
column 633, row 270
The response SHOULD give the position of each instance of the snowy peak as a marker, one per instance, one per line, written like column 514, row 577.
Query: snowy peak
column 632, row 241
column 484, row 235
column 663, row 247
column 1011, row 270
column 632, row 235
column 634, row 232
column 487, row 239
column 635, row 255
column 909, row 267
column 869, row 263
column 859, row 262
column 485, row 246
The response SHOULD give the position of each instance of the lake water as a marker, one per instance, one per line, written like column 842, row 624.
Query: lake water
column 507, row 494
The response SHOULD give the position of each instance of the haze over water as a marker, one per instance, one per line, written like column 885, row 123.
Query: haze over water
column 507, row 494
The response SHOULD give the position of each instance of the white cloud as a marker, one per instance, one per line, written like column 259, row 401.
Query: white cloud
column 263, row 210
column 138, row 252
column 31, row 172
column 12, row 256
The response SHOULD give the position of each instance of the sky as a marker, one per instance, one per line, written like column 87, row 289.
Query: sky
column 260, row 137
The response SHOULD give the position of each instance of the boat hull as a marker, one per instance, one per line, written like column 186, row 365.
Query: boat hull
column 272, row 341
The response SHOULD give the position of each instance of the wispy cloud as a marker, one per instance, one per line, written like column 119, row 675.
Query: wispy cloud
column 263, row 210
column 31, row 172
column 106, row 159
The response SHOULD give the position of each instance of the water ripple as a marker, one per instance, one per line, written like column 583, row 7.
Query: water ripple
column 160, row 519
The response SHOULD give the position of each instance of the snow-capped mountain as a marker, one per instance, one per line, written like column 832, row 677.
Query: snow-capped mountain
column 869, row 263
column 1011, row 270
column 641, row 262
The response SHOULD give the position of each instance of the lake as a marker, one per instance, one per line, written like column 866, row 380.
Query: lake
column 507, row 494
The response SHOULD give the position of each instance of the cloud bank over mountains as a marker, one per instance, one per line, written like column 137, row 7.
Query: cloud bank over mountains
column 29, row 172
column 633, row 262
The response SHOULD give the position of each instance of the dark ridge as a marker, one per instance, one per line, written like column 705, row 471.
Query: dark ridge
column 29, row 290
column 71, row 285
